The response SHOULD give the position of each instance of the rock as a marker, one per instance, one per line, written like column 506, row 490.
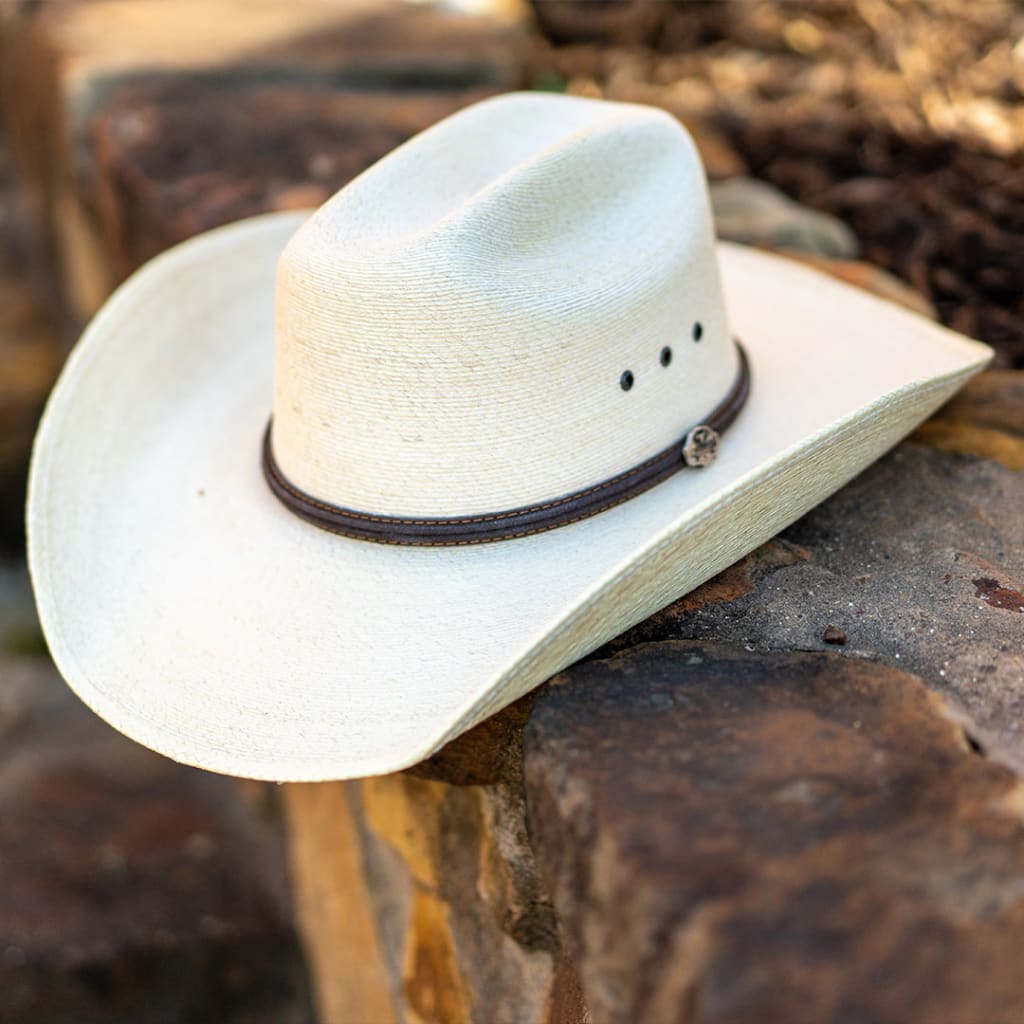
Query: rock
column 634, row 29
column 835, row 636
column 479, row 942
column 969, row 439
column 877, row 577
column 75, row 49
column 755, row 213
column 420, row 899
column 621, row 22
column 747, row 837
column 335, row 904
column 985, row 419
column 63, row 60
column 893, row 560
column 30, row 354
column 993, row 399
column 29, row 361
column 135, row 891
column 177, row 157
column 457, row 883
column 489, row 753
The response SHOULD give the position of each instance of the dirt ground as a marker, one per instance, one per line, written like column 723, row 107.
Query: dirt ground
column 905, row 119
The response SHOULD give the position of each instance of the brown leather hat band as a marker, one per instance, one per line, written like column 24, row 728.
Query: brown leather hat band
column 697, row 448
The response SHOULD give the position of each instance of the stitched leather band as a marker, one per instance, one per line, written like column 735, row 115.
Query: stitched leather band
column 697, row 448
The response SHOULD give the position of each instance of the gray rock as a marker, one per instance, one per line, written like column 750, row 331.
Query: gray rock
column 755, row 213
column 734, row 837
column 919, row 562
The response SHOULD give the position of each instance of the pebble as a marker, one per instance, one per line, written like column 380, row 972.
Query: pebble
column 755, row 213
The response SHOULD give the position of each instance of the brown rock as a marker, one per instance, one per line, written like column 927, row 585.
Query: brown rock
column 30, row 358
column 985, row 419
column 483, row 943
column 487, row 754
column 566, row 1004
column 835, row 636
column 124, row 900
column 335, row 907
column 433, row 984
column 30, row 354
column 60, row 62
column 993, row 399
column 422, row 899
column 62, row 56
column 969, row 439
column 994, row 593
column 877, row 564
column 613, row 21
column 743, row 837
column 134, row 890
column 177, row 157
column 891, row 561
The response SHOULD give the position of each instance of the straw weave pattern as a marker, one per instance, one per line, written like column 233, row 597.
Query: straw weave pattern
column 452, row 327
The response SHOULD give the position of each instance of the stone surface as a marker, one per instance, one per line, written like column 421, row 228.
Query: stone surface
column 893, row 560
column 917, row 564
column 614, row 21
column 30, row 354
column 335, row 905
column 993, row 399
column 970, row 439
column 421, row 899
column 489, row 753
column 62, row 56
column 756, row 213
column 177, row 157
column 134, row 891
column 62, row 62
column 985, row 419
column 750, row 837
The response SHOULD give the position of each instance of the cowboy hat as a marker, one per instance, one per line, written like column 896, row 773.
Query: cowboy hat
column 316, row 493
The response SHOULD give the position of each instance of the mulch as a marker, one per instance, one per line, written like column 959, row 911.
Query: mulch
column 905, row 118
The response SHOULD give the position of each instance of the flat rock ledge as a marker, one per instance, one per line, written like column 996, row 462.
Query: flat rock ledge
column 918, row 563
column 746, row 837
column 684, row 832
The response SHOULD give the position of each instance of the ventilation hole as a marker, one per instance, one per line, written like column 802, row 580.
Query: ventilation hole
column 698, row 331
column 626, row 380
column 666, row 356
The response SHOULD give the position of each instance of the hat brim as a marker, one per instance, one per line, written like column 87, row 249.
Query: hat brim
column 189, row 609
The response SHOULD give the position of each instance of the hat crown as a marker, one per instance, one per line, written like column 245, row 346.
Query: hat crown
column 519, row 302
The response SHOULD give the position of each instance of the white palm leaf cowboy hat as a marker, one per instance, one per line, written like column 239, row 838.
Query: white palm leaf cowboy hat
column 520, row 400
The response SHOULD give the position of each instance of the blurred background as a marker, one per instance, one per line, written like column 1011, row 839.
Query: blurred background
column 879, row 139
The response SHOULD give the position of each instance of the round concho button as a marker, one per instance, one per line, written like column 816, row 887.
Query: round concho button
column 700, row 446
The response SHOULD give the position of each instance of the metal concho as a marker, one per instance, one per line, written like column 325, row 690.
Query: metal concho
column 700, row 446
